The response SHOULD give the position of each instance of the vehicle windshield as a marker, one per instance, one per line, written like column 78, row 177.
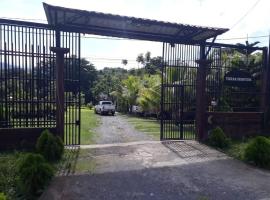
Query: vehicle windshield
column 106, row 103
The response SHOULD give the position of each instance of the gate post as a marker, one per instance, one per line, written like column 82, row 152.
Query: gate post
column 60, row 91
column 201, row 94
column 264, row 104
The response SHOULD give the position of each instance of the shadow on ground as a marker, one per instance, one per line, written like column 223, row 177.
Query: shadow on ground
column 167, row 170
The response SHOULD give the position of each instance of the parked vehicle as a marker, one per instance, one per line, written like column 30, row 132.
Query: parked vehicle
column 105, row 107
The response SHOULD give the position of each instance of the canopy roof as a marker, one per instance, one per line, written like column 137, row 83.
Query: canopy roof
column 127, row 27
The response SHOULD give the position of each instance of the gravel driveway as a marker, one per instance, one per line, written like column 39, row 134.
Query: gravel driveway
column 115, row 129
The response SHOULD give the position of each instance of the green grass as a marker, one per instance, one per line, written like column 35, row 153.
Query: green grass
column 89, row 121
column 8, row 173
column 76, row 161
column 237, row 149
column 152, row 127
column 148, row 126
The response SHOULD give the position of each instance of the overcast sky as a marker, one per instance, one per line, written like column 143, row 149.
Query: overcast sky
column 245, row 18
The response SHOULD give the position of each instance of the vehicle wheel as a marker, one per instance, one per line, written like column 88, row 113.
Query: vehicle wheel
column 113, row 113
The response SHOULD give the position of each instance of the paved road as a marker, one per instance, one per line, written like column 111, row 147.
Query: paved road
column 150, row 170
column 115, row 129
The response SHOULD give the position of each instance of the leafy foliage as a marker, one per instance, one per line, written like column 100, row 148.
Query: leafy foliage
column 3, row 196
column 258, row 151
column 217, row 138
column 149, row 93
column 34, row 174
column 50, row 146
column 8, row 174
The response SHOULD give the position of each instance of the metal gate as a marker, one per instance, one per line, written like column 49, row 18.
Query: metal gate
column 27, row 78
column 178, row 95
column 179, row 76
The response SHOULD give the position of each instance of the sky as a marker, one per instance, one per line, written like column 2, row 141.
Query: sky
column 244, row 18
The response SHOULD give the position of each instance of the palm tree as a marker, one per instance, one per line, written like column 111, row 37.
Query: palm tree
column 130, row 90
column 149, row 94
column 124, row 62
column 140, row 59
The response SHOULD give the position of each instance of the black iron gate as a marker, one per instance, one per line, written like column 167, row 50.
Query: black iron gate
column 179, row 76
column 27, row 78
column 178, row 91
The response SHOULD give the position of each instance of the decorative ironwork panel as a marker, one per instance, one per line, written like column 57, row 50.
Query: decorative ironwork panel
column 28, row 80
column 178, row 99
column 27, row 76
column 72, row 87
column 234, row 79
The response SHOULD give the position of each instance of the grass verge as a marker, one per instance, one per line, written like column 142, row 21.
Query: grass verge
column 76, row 161
column 237, row 150
column 150, row 127
column 89, row 121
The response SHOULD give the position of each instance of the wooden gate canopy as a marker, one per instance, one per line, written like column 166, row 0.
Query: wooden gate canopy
column 97, row 23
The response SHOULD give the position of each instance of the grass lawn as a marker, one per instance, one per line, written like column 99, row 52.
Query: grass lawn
column 152, row 127
column 89, row 121
column 148, row 126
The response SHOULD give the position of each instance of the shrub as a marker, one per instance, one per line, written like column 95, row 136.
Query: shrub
column 3, row 196
column 8, row 173
column 217, row 138
column 258, row 151
column 50, row 146
column 34, row 174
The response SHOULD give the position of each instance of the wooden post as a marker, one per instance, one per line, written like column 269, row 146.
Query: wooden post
column 60, row 91
column 200, row 95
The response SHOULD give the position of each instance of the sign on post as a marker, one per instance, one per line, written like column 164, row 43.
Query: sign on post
column 238, row 78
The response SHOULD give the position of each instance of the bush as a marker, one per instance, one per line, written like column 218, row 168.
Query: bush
column 3, row 196
column 258, row 151
column 50, row 146
column 217, row 138
column 34, row 174
column 8, row 173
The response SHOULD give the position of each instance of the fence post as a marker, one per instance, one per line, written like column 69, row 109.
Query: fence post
column 60, row 91
column 201, row 94
column 265, row 83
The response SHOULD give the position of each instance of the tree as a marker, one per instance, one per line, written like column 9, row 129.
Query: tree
column 140, row 59
column 151, row 65
column 88, row 75
column 124, row 62
column 131, row 87
column 150, row 93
